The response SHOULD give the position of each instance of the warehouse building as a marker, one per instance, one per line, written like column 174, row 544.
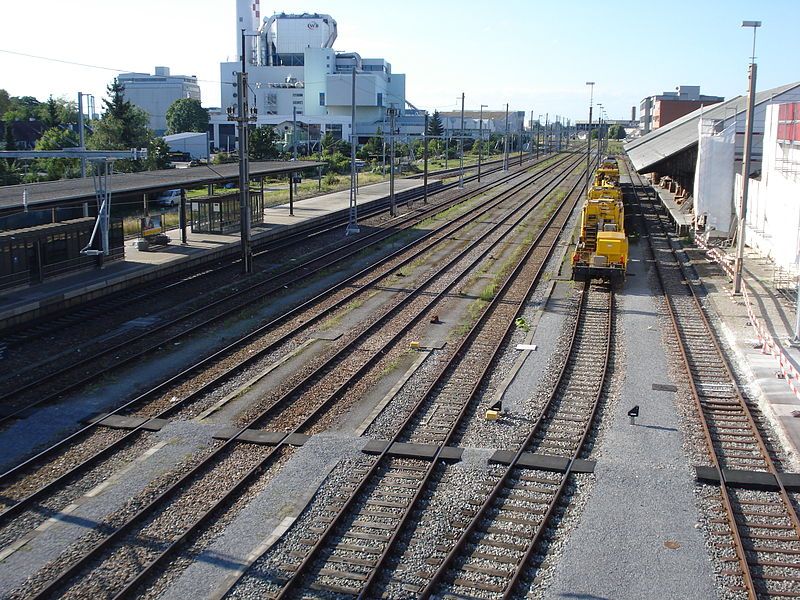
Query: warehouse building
column 154, row 94
column 698, row 158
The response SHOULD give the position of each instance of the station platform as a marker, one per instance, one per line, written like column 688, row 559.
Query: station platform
column 25, row 304
column 678, row 210
column 759, row 327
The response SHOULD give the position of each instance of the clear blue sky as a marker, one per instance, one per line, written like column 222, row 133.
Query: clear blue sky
column 534, row 55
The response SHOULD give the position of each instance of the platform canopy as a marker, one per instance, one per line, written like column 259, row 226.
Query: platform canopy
column 682, row 134
column 69, row 192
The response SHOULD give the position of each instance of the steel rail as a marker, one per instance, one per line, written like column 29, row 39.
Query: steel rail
column 12, row 336
column 297, row 274
column 482, row 514
column 307, row 562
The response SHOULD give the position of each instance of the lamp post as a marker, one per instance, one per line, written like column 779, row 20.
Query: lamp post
column 748, row 147
column 505, row 143
column 480, row 139
column 538, row 130
column 589, row 136
column 461, row 145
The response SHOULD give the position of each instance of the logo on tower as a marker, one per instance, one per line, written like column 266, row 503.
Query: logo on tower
column 313, row 25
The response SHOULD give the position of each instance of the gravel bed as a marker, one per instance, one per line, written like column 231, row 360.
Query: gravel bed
column 174, row 568
column 51, row 505
column 260, row 580
column 285, row 497
column 438, row 520
column 138, row 548
column 116, row 518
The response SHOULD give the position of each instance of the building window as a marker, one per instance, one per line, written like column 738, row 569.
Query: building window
column 380, row 99
column 322, row 98
column 297, row 102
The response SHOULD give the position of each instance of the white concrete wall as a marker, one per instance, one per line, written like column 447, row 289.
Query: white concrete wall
column 773, row 220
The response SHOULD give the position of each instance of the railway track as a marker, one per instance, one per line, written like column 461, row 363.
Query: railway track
column 12, row 338
column 168, row 399
column 500, row 539
column 50, row 384
column 325, row 393
column 349, row 554
column 756, row 527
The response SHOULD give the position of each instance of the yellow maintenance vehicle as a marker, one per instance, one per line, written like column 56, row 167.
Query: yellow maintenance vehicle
column 602, row 250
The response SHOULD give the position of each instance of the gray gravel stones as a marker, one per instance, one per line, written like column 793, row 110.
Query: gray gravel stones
column 274, row 508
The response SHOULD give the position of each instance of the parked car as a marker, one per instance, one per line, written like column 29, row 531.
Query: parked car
column 169, row 198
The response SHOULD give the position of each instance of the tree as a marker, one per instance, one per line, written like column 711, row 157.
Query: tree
column 5, row 102
column 50, row 114
column 435, row 127
column 262, row 143
column 22, row 108
column 186, row 114
column 330, row 144
column 56, row 138
column 157, row 154
column 122, row 127
column 616, row 132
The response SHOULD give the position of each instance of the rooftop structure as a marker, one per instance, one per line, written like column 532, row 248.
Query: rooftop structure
column 155, row 93
column 657, row 111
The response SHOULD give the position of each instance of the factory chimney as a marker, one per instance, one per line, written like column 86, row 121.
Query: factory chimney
column 248, row 17
column 633, row 113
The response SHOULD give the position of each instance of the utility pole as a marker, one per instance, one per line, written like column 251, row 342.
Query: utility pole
column 425, row 162
column 531, row 134
column 748, row 148
column 521, row 131
column 589, row 137
column 505, row 143
column 461, row 144
column 352, row 223
column 83, row 146
column 480, row 139
column 547, row 148
column 294, row 145
column 242, row 119
column 392, row 208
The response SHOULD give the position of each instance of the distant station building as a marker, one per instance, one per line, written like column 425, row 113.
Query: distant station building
column 494, row 121
column 294, row 70
column 155, row 93
column 657, row 111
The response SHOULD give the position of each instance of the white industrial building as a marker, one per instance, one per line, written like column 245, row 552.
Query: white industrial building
column 294, row 70
column 493, row 122
column 773, row 214
column 155, row 93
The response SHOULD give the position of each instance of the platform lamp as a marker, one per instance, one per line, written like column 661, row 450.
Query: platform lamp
column 589, row 135
column 480, row 139
column 748, row 147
